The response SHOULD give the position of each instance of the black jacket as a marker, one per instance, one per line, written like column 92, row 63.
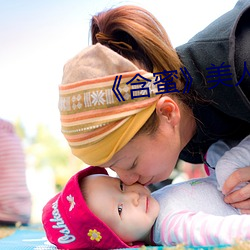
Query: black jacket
column 226, row 112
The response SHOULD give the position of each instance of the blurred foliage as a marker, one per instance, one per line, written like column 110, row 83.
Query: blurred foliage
column 45, row 150
column 20, row 130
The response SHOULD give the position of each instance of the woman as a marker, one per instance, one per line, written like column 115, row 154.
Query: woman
column 142, row 137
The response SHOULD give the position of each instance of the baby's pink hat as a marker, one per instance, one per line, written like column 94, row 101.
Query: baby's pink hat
column 69, row 223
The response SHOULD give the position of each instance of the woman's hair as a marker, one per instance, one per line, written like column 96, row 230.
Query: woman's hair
column 137, row 35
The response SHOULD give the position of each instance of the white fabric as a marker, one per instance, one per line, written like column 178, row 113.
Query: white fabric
column 194, row 212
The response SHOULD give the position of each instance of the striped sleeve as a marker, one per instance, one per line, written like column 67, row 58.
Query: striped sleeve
column 201, row 229
column 15, row 200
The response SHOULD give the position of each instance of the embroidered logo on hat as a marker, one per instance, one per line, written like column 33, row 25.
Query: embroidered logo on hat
column 94, row 235
column 70, row 198
column 60, row 224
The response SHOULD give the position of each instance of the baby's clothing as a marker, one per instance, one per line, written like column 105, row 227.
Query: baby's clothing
column 194, row 212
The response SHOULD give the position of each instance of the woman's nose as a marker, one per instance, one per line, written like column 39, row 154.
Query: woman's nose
column 126, row 177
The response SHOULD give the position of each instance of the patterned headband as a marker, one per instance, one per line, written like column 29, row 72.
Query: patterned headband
column 104, row 100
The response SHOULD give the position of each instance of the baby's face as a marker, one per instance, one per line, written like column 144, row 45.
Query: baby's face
column 130, row 211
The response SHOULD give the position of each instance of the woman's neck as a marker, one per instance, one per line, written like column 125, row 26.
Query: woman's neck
column 187, row 125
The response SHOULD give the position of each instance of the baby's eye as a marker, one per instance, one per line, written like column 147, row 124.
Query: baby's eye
column 121, row 185
column 120, row 206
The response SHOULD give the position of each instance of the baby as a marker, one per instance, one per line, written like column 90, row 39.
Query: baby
column 96, row 211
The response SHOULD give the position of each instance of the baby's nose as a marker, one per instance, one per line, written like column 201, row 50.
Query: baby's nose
column 133, row 198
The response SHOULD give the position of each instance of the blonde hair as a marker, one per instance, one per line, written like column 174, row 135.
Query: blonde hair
column 137, row 35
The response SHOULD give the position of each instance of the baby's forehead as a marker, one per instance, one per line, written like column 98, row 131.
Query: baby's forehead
column 96, row 182
column 99, row 183
column 99, row 177
column 95, row 176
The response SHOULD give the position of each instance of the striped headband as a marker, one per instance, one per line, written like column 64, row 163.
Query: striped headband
column 104, row 101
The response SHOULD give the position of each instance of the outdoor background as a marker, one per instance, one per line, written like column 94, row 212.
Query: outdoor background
column 36, row 39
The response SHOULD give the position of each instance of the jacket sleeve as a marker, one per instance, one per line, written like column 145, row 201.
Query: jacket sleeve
column 201, row 229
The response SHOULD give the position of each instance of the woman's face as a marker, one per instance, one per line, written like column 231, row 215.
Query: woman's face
column 148, row 159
